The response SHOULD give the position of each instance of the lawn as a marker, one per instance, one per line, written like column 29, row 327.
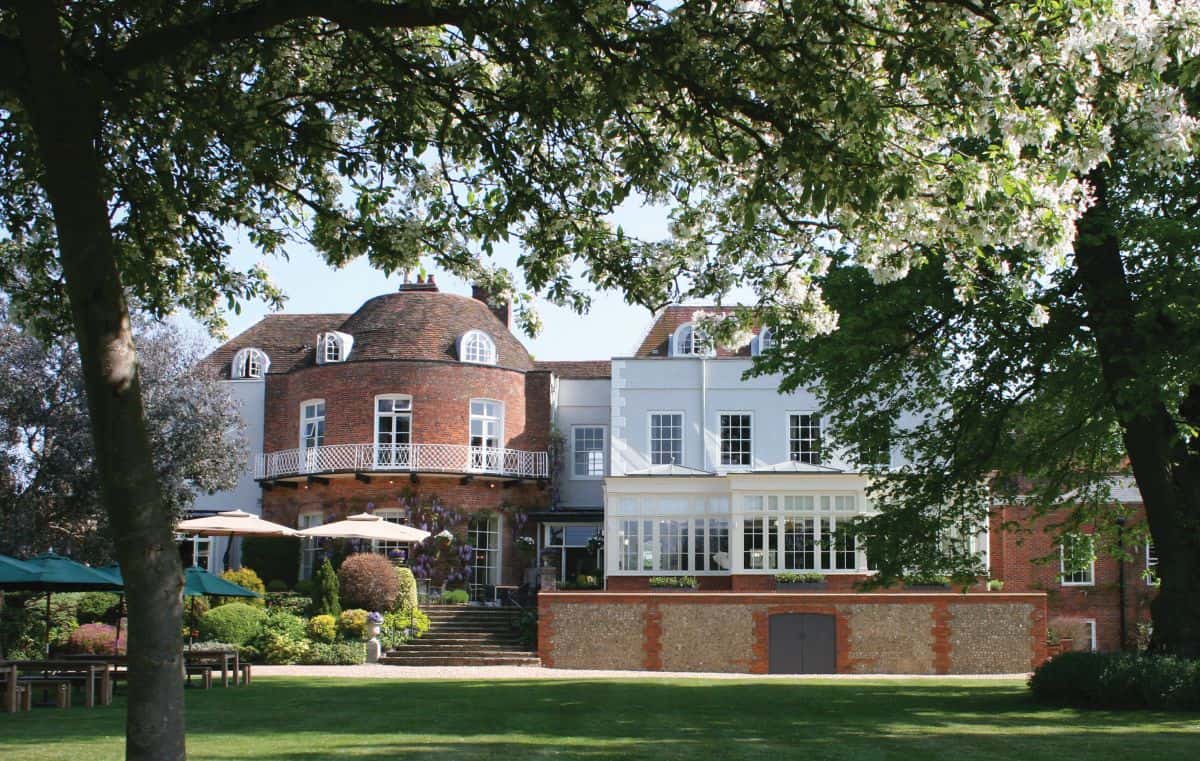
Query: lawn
column 294, row 719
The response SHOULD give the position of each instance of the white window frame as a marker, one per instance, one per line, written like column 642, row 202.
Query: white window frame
column 1151, row 575
column 495, row 568
column 249, row 363
column 400, row 453
column 787, row 435
column 721, row 441
column 1090, row 623
column 303, row 419
column 308, row 544
column 483, row 457
column 333, row 341
column 1091, row 569
column 391, row 515
column 477, row 348
column 764, row 340
column 709, row 349
column 682, row 435
column 198, row 542
column 574, row 474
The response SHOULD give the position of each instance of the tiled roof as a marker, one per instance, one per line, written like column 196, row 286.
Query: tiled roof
column 585, row 370
column 409, row 324
column 286, row 338
column 426, row 325
column 657, row 342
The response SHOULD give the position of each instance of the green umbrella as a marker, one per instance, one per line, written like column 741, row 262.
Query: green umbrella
column 57, row 573
column 198, row 582
column 16, row 573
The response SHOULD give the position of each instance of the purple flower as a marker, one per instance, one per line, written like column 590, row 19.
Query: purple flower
column 374, row 617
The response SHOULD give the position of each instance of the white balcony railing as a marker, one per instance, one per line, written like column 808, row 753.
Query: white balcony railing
column 393, row 458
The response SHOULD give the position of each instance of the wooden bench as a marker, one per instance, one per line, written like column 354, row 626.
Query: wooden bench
column 62, row 688
column 204, row 672
column 245, row 668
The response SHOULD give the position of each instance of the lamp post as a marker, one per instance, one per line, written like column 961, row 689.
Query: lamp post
column 1120, row 521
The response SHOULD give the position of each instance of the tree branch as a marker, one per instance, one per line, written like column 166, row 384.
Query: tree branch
column 159, row 46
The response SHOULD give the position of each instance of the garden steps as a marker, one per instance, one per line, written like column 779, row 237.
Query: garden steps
column 461, row 635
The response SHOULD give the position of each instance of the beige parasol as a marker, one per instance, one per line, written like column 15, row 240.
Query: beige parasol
column 233, row 523
column 366, row 526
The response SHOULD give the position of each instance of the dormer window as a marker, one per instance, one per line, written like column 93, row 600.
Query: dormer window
column 249, row 363
column 333, row 347
column 691, row 341
column 478, row 347
column 765, row 341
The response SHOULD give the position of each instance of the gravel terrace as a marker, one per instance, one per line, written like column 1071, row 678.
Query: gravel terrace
column 380, row 671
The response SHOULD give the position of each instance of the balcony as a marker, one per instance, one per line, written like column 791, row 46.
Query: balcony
column 401, row 458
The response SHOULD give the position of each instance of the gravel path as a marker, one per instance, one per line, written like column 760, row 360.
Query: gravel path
column 379, row 671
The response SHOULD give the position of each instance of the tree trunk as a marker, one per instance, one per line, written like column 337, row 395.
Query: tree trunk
column 1167, row 474
column 65, row 114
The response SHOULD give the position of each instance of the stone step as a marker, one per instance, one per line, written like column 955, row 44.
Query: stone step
column 464, row 660
column 421, row 644
column 469, row 643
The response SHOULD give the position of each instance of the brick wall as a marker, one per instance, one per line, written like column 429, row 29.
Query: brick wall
column 441, row 392
column 1027, row 560
column 936, row 633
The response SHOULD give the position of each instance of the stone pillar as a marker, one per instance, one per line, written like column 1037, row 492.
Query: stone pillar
column 548, row 578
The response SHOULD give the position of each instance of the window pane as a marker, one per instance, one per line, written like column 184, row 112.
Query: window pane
column 804, row 438
column 588, row 447
column 735, row 440
column 666, row 438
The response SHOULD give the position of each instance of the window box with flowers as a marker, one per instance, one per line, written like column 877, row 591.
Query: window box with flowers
column 800, row 582
column 674, row 584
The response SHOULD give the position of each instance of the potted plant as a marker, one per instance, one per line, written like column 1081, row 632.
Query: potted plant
column 995, row 585
column 374, row 622
column 674, row 583
column 809, row 581
column 526, row 547
column 595, row 544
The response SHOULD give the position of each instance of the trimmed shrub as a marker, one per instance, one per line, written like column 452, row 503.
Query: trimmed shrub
column 297, row 605
column 95, row 639
column 305, row 587
column 249, row 654
column 1118, row 680
column 322, row 628
column 97, row 607
column 194, row 609
column 211, row 645
column 455, row 597
column 420, row 622
column 274, row 557
column 276, row 586
column 280, row 649
column 336, row 654
column 236, row 623
column 285, row 623
column 367, row 580
column 244, row 577
column 353, row 623
column 326, row 592
column 406, row 599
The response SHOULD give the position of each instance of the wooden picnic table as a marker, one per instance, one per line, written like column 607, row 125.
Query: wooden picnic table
column 226, row 659
column 10, row 673
column 93, row 674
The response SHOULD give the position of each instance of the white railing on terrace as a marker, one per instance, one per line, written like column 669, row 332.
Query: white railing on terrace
column 418, row 458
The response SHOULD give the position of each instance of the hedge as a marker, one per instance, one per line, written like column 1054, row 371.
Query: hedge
column 236, row 623
column 1118, row 680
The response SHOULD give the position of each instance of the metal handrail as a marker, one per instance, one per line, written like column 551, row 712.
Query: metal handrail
column 401, row 458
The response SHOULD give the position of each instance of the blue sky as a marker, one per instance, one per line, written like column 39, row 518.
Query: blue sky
column 611, row 327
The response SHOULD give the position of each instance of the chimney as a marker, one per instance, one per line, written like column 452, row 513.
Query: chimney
column 502, row 309
column 422, row 284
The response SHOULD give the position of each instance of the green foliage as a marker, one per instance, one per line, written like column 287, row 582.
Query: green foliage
column 920, row 579
column 353, row 623
column 1118, row 680
column 369, row 581
column 247, row 578
column 274, row 557
column 995, row 585
column 235, row 623
column 281, row 649
column 336, row 654
column 277, row 586
column 455, row 597
column 295, row 604
column 305, row 587
column 97, row 607
column 528, row 628
column 406, row 598
column 96, row 639
column 674, row 582
column 326, row 599
column 285, row 623
column 322, row 628
column 194, row 609
column 808, row 577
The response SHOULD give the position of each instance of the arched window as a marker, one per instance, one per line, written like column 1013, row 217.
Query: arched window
column 333, row 347
column 691, row 341
column 478, row 347
column 765, row 341
column 250, row 363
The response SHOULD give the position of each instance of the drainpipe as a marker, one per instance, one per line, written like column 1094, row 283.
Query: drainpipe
column 704, row 413
column 1120, row 521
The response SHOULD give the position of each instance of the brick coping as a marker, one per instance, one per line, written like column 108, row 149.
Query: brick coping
column 574, row 595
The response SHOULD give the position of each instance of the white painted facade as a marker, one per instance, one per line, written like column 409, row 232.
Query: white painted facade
column 250, row 397
column 581, row 409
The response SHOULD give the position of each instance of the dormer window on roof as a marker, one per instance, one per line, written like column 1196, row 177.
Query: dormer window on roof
column 333, row 347
column 690, row 341
column 478, row 347
column 765, row 340
column 249, row 363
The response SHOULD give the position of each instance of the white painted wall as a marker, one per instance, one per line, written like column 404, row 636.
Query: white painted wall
column 250, row 397
column 581, row 402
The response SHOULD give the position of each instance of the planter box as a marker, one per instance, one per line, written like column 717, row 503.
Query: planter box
column 928, row 587
column 674, row 589
column 801, row 586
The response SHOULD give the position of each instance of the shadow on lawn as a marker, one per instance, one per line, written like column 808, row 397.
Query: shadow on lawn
column 298, row 719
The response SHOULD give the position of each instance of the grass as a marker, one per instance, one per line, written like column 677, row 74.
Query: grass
column 310, row 719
